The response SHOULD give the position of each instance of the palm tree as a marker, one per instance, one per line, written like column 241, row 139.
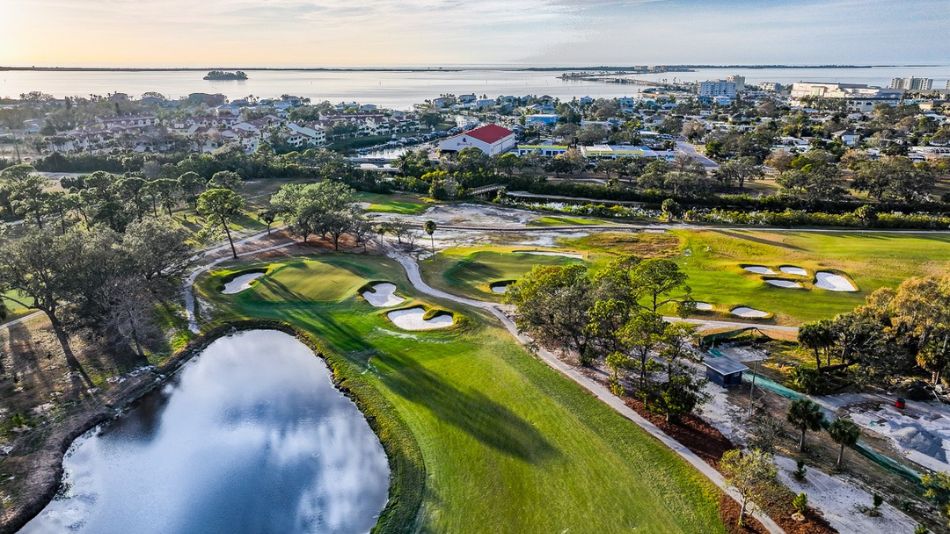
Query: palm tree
column 805, row 415
column 844, row 432
column 429, row 227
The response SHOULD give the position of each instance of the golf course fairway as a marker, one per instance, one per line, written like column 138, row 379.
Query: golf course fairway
column 487, row 437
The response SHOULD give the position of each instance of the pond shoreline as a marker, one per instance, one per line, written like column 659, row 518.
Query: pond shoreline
column 47, row 470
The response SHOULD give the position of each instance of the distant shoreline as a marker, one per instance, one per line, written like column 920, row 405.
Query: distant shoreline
column 666, row 68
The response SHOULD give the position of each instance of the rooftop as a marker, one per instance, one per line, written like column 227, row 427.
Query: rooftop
column 490, row 134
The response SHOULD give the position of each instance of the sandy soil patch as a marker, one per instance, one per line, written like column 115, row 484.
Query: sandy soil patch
column 382, row 295
column 838, row 498
column 787, row 284
column 921, row 431
column 749, row 313
column 240, row 283
column 793, row 270
column 414, row 319
column 833, row 282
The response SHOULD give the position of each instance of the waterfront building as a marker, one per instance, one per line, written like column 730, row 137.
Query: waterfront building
column 491, row 139
column 912, row 84
column 713, row 88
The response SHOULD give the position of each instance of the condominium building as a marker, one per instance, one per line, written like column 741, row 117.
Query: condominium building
column 912, row 84
column 858, row 97
column 709, row 89
column 738, row 80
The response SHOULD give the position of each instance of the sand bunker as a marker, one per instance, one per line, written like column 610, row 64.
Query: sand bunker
column 749, row 313
column 791, row 269
column 413, row 319
column 787, row 284
column 550, row 253
column 833, row 282
column 758, row 269
column 240, row 283
column 382, row 295
column 704, row 306
column 500, row 287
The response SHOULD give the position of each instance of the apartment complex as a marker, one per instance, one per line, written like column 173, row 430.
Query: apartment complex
column 912, row 84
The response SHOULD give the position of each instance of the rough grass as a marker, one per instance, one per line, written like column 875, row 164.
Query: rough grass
column 393, row 203
column 713, row 261
column 471, row 271
column 640, row 244
column 509, row 445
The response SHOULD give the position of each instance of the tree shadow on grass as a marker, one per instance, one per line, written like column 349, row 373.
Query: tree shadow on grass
column 760, row 240
column 471, row 411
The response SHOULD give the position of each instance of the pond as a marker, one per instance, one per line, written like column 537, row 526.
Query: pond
column 250, row 436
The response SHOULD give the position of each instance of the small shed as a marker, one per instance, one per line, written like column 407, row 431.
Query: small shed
column 724, row 371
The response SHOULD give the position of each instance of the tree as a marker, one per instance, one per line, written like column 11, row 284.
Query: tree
column 155, row 250
column 844, row 432
column 25, row 192
column 552, row 305
column 327, row 208
column 48, row 272
column 819, row 337
column 937, row 489
column 641, row 335
column 738, row 171
column 221, row 206
column 661, row 282
column 225, row 180
column 507, row 163
column 191, row 185
column 429, row 228
column 752, row 474
column 268, row 216
column 805, row 415
column 671, row 209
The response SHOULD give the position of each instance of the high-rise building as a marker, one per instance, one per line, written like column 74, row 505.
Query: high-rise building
column 738, row 80
column 717, row 88
column 912, row 84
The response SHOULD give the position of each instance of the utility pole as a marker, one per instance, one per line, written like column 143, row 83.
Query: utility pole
column 752, row 389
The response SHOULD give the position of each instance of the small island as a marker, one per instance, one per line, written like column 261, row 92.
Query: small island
column 218, row 75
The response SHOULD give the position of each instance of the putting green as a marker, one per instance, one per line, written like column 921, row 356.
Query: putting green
column 508, row 444
column 713, row 259
column 471, row 271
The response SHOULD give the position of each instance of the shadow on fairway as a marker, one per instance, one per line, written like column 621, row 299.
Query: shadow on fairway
column 471, row 411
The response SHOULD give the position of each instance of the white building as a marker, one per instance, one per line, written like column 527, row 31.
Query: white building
column 858, row 96
column 491, row 139
column 912, row 84
column 738, row 80
column 709, row 89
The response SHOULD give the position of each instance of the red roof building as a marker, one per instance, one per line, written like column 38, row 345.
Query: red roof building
column 491, row 139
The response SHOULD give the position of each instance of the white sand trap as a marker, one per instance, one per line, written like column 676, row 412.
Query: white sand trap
column 240, row 283
column 382, row 295
column 704, row 306
column 412, row 319
column 833, row 282
column 749, row 313
column 787, row 284
column 500, row 287
column 759, row 269
column 791, row 269
column 550, row 253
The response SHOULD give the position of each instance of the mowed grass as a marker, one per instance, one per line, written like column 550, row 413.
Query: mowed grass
column 713, row 260
column 400, row 204
column 470, row 271
column 508, row 444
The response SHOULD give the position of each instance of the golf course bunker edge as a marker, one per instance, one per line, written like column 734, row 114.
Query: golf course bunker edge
column 749, row 313
column 785, row 284
column 500, row 287
column 758, row 269
column 241, row 282
column 414, row 319
column 834, row 282
column 793, row 270
column 381, row 294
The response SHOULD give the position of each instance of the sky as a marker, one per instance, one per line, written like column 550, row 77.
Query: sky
column 334, row 33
